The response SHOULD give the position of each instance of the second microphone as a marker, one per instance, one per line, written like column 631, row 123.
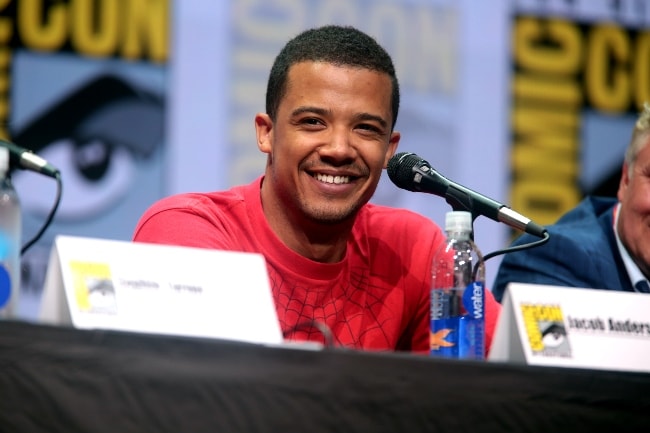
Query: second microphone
column 410, row 172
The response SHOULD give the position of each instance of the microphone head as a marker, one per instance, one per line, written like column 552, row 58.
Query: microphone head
column 400, row 169
column 14, row 151
column 27, row 160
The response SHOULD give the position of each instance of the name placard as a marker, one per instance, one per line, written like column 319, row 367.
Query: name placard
column 573, row 327
column 127, row 286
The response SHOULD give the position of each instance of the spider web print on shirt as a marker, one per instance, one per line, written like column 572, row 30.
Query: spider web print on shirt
column 355, row 308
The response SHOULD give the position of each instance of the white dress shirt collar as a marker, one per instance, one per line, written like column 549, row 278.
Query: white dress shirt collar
column 632, row 269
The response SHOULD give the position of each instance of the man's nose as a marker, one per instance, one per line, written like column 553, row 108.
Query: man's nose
column 339, row 147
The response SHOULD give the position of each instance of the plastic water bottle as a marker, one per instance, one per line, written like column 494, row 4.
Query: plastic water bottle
column 458, row 293
column 10, row 235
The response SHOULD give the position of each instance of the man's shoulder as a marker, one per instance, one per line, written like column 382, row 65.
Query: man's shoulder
column 590, row 208
column 583, row 225
column 189, row 218
column 198, row 200
column 589, row 213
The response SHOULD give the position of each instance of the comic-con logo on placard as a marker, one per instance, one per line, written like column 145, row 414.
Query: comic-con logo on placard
column 93, row 287
column 545, row 330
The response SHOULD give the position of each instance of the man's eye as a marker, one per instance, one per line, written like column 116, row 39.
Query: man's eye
column 311, row 121
column 371, row 128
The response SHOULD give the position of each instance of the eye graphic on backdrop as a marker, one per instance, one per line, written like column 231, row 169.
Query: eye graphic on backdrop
column 95, row 136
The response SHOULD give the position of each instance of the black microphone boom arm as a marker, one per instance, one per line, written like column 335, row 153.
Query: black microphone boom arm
column 410, row 172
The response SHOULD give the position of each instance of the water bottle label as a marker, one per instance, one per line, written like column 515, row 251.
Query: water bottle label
column 444, row 337
column 5, row 286
column 474, row 300
column 458, row 332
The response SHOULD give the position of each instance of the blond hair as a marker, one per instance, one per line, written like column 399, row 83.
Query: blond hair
column 640, row 136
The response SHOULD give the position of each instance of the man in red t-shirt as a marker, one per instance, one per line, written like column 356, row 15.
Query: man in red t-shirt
column 339, row 266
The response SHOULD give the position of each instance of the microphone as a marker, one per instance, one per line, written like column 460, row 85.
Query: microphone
column 27, row 160
column 410, row 172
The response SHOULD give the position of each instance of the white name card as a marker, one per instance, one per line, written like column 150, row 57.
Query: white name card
column 126, row 286
column 573, row 327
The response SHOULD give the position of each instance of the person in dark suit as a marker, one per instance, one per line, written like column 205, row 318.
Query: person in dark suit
column 602, row 243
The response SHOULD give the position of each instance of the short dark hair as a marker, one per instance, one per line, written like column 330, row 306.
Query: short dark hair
column 338, row 45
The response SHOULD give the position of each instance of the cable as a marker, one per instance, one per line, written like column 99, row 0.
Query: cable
column 50, row 216
column 518, row 247
column 320, row 326
column 509, row 250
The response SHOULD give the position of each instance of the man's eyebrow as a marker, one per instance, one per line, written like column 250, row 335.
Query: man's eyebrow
column 372, row 117
column 308, row 109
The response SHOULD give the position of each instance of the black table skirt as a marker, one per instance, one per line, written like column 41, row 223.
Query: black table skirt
column 66, row 380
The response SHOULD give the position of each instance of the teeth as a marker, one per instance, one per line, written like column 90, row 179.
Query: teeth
column 333, row 179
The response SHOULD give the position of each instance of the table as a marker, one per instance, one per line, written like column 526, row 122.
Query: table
column 55, row 379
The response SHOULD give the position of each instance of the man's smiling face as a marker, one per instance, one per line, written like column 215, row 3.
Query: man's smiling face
column 329, row 142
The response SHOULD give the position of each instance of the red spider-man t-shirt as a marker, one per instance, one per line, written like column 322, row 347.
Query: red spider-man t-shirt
column 376, row 298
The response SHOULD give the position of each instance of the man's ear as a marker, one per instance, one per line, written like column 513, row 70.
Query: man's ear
column 625, row 180
column 392, row 146
column 263, row 129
